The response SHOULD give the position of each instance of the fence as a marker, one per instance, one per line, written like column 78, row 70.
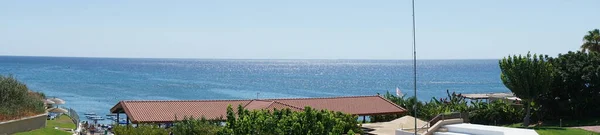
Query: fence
column 74, row 116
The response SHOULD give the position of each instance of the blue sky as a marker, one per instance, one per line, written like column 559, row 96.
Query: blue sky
column 304, row 29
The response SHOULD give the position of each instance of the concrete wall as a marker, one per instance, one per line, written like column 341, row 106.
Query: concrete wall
column 23, row 124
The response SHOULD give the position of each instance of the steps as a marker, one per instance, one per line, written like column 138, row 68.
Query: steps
column 442, row 129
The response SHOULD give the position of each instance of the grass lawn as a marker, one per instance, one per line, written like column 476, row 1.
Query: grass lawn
column 562, row 131
column 63, row 121
column 554, row 130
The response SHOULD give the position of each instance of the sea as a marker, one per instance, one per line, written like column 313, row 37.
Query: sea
column 97, row 84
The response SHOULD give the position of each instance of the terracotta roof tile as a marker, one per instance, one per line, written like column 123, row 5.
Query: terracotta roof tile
column 165, row 111
column 358, row 105
column 258, row 104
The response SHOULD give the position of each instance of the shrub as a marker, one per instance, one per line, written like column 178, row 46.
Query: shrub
column 201, row 126
column 288, row 122
column 141, row 129
column 497, row 112
column 17, row 101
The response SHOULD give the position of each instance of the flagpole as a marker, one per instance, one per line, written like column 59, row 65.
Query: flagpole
column 414, row 62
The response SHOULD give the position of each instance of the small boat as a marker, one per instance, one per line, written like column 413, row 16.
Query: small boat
column 96, row 118
column 111, row 115
column 89, row 113
column 122, row 121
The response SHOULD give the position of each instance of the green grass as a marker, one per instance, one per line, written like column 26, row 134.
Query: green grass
column 562, row 131
column 555, row 130
column 63, row 121
column 574, row 123
column 45, row 131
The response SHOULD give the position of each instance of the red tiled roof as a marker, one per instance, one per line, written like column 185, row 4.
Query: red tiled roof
column 166, row 111
column 357, row 105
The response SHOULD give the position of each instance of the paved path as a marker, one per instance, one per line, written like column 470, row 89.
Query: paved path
column 590, row 128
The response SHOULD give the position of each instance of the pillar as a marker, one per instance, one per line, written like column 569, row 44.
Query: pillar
column 364, row 118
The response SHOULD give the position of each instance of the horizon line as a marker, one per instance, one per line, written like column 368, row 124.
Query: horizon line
column 184, row 58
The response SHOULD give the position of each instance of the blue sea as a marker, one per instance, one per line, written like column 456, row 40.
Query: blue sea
column 97, row 84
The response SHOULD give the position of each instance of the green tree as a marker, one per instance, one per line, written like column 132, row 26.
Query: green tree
column 528, row 77
column 575, row 91
column 591, row 41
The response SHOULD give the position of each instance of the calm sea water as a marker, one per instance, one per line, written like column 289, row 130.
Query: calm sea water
column 97, row 84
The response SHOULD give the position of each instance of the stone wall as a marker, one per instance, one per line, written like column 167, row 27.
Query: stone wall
column 23, row 124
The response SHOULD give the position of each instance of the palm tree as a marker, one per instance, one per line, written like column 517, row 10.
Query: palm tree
column 591, row 41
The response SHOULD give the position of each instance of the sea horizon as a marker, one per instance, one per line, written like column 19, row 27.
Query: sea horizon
column 97, row 84
column 185, row 58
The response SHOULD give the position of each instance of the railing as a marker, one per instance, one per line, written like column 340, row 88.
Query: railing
column 74, row 116
column 442, row 117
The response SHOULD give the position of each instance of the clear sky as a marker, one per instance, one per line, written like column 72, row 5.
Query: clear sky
column 293, row 29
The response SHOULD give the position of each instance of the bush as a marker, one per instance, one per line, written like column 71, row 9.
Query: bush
column 17, row 101
column 497, row 112
column 201, row 126
column 141, row 129
column 287, row 122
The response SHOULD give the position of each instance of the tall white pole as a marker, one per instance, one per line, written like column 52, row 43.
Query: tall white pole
column 414, row 63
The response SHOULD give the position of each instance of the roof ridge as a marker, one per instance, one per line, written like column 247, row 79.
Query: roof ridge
column 273, row 99
column 308, row 98
column 385, row 99
column 270, row 104
column 200, row 100
column 285, row 105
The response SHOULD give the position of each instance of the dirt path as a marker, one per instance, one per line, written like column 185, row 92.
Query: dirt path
column 590, row 128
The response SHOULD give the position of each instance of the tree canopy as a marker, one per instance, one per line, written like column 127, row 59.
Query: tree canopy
column 591, row 41
column 527, row 77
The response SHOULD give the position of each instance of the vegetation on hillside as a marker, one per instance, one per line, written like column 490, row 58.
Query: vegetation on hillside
column 17, row 101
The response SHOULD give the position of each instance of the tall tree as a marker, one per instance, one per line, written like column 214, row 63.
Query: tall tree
column 591, row 41
column 528, row 77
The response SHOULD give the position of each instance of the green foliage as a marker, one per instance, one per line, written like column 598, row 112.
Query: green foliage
column 527, row 77
column 591, row 41
column 575, row 91
column 45, row 131
column 496, row 112
column 141, row 129
column 288, row 122
column 201, row 126
column 351, row 132
column 17, row 101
